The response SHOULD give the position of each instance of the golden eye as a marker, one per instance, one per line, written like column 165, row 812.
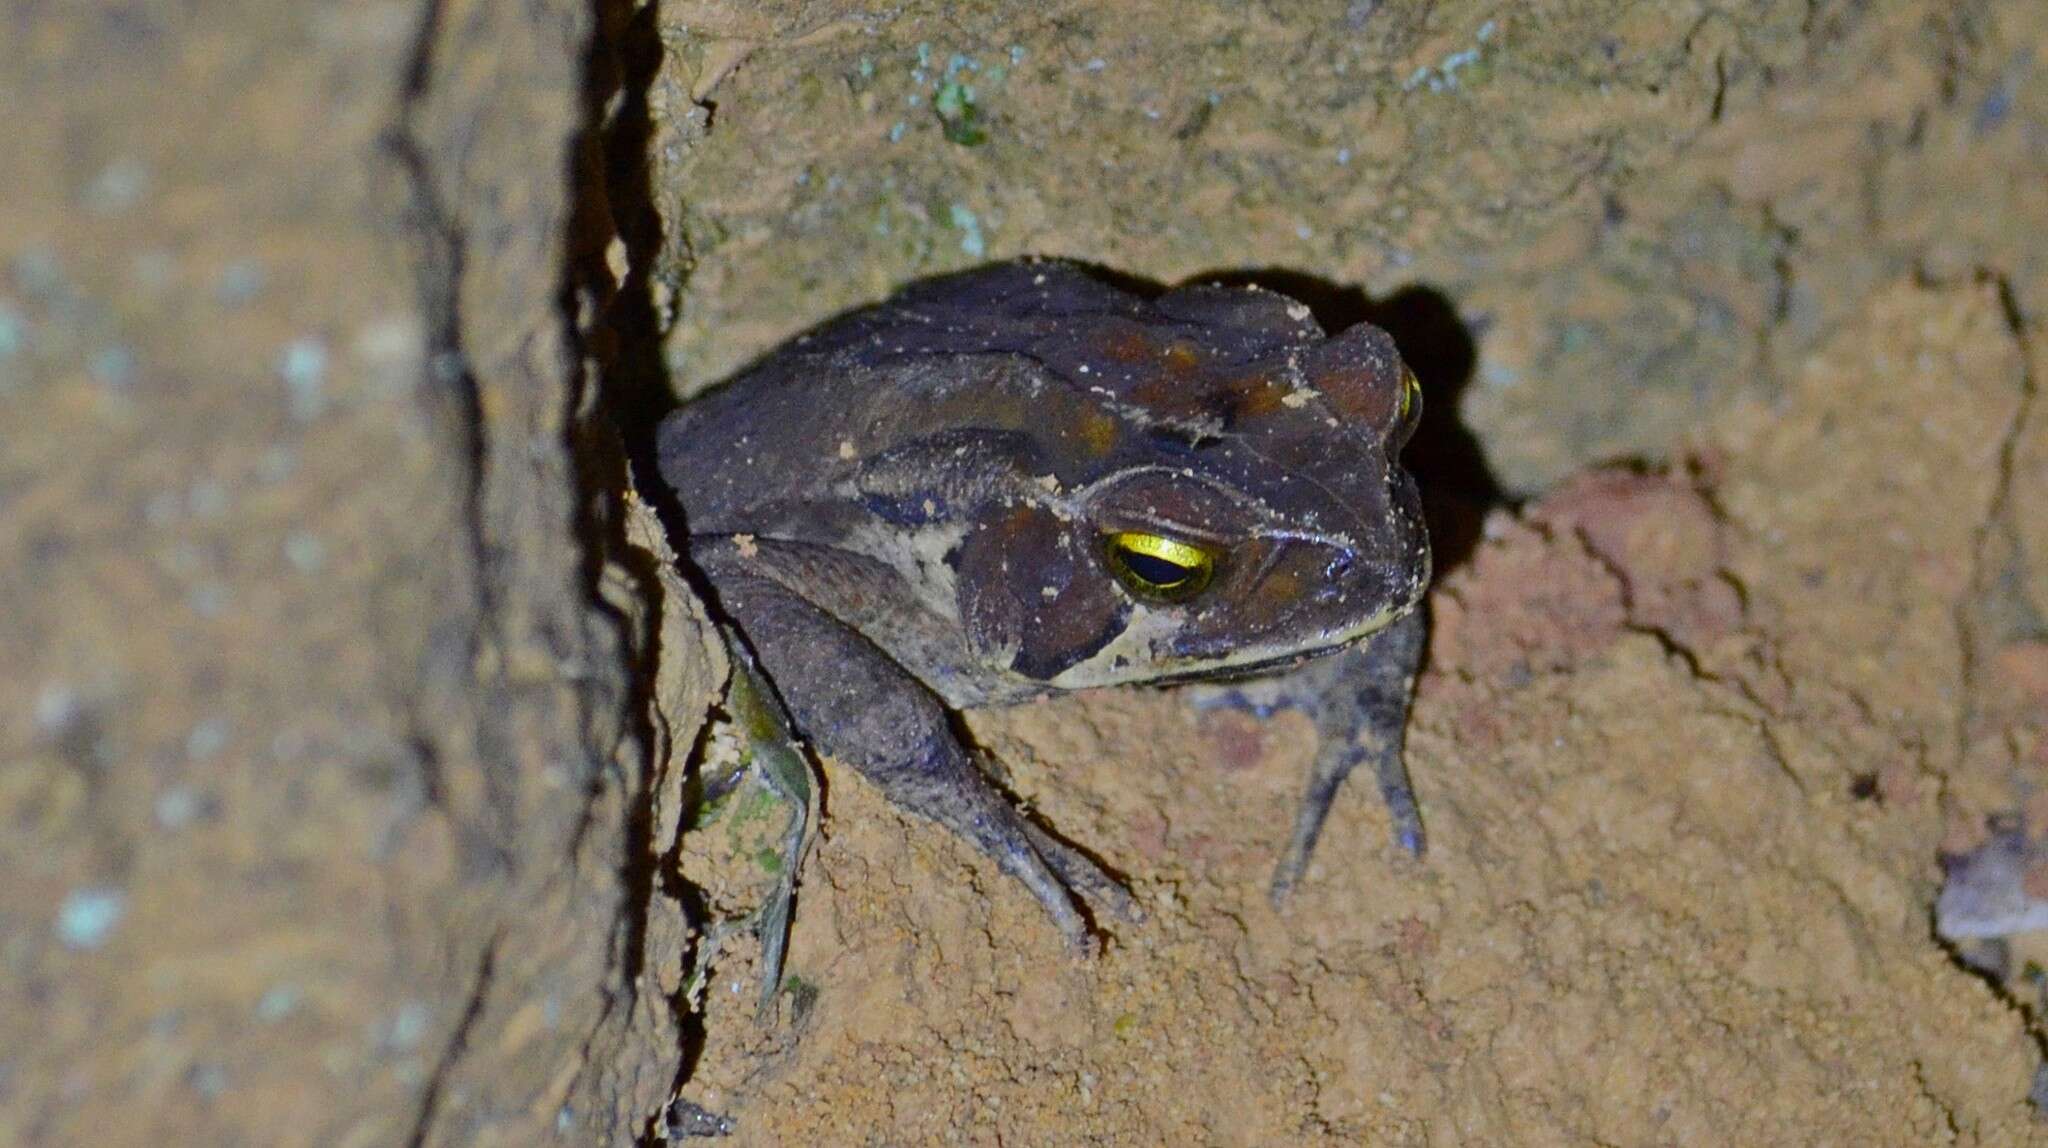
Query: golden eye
column 1411, row 397
column 1157, row 567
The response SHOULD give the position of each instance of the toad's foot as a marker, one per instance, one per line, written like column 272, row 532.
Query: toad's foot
column 1359, row 701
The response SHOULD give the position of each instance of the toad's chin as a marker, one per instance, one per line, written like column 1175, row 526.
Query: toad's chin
column 1138, row 654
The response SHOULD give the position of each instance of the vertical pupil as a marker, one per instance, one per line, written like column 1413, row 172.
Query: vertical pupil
column 1154, row 569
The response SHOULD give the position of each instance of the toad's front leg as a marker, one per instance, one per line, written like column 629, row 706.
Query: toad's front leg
column 849, row 700
column 1359, row 701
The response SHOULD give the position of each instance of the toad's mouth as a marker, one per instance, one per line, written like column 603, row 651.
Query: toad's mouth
column 1129, row 658
column 1261, row 666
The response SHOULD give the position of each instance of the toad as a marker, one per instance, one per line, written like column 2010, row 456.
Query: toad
column 1020, row 480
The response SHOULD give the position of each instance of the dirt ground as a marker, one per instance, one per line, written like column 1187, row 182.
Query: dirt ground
column 1686, row 745
column 1693, row 729
column 351, row 693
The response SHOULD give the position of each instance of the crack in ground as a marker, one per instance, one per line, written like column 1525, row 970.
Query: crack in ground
column 458, row 1042
column 451, row 397
column 1995, row 531
column 451, row 392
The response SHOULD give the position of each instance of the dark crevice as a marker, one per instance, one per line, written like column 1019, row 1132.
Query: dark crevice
column 458, row 1042
column 1987, row 964
column 588, row 302
column 450, row 395
column 639, row 390
column 616, row 197
column 637, row 393
column 1674, row 645
column 696, row 908
column 1984, row 619
column 451, row 398
column 419, row 66
column 1784, row 241
column 426, row 758
column 449, row 392
column 633, row 387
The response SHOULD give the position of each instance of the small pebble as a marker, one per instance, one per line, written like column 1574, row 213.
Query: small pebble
column 277, row 1003
column 207, row 738
column 303, row 367
column 118, row 187
column 56, row 708
column 88, row 917
column 408, row 1026
column 969, row 225
column 13, row 331
column 179, row 806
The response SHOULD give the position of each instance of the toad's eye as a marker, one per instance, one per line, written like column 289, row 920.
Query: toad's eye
column 1157, row 567
column 1407, row 410
column 1411, row 398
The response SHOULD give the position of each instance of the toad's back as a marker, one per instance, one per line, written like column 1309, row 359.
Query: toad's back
column 1034, row 363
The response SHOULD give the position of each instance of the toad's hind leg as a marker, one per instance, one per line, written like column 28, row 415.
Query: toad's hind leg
column 855, row 704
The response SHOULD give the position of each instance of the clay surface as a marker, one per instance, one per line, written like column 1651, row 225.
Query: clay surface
column 348, row 692
column 1693, row 730
column 1663, row 905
